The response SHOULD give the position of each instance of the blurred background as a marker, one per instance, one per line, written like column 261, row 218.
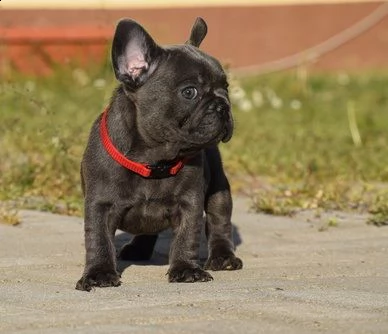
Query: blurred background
column 36, row 35
column 308, row 85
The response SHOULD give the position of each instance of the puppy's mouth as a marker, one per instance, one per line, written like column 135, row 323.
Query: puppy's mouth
column 228, row 132
column 212, row 123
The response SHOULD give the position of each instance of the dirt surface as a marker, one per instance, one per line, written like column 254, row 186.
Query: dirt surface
column 296, row 279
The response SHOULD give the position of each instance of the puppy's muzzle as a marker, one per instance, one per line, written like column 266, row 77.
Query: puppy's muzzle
column 221, row 107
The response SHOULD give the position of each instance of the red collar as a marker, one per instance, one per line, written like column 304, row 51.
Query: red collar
column 158, row 170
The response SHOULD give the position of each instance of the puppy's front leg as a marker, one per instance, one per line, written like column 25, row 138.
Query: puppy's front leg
column 100, row 267
column 184, row 251
column 219, row 229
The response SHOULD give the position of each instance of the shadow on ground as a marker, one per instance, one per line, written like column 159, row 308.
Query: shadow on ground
column 162, row 247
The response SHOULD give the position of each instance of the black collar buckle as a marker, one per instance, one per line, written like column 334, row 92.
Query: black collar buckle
column 160, row 170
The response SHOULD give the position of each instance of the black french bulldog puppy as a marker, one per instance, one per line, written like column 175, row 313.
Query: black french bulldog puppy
column 152, row 160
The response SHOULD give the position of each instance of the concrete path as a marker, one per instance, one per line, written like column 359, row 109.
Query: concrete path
column 296, row 279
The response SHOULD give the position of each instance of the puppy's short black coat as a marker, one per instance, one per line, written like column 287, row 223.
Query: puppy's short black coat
column 171, row 105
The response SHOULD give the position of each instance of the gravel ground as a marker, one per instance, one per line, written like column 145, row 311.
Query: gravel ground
column 298, row 277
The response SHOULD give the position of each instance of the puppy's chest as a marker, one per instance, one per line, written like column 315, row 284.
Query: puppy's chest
column 151, row 215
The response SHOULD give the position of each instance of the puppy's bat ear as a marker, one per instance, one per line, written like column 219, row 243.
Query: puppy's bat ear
column 134, row 53
column 198, row 32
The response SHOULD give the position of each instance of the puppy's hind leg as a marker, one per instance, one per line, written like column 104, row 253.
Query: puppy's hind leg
column 140, row 248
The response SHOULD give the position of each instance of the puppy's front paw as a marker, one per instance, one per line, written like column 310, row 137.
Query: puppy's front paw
column 223, row 263
column 188, row 274
column 98, row 279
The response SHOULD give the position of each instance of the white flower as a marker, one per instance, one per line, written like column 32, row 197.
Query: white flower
column 295, row 104
column 237, row 93
column 81, row 77
column 276, row 102
column 99, row 83
column 257, row 98
column 245, row 105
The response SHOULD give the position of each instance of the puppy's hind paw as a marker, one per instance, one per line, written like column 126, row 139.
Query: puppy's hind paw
column 98, row 279
column 136, row 252
column 188, row 275
column 223, row 263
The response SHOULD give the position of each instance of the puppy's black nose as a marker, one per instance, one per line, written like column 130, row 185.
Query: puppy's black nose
column 219, row 106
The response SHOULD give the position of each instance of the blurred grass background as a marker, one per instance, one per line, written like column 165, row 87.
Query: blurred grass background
column 302, row 140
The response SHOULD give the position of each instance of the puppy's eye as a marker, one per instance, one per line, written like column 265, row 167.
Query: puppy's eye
column 190, row 93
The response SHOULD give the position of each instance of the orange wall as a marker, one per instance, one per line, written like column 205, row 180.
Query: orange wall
column 33, row 40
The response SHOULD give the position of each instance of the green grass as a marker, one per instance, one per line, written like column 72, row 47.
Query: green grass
column 320, row 140
column 44, row 125
column 302, row 141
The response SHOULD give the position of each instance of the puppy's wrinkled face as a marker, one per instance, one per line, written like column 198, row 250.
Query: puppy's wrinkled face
column 190, row 90
column 180, row 93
